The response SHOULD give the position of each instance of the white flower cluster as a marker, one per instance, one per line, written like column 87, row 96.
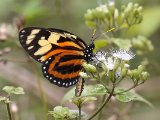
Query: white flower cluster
column 123, row 54
column 110, row 60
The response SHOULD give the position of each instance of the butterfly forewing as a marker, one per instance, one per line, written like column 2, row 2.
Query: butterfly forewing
column 42, row 43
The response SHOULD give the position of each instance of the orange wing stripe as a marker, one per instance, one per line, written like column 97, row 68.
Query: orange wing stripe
column 68, row 75
column 64, row 76
column 70, row 62
column 63, row 44
column 63, row 51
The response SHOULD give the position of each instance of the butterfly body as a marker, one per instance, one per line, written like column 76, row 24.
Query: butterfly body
column 60, row 52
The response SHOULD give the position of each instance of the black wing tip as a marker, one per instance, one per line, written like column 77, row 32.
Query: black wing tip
column 24, row 32
column 27, row 29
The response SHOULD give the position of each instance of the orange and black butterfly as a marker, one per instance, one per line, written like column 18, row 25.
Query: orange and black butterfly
column 60, row 52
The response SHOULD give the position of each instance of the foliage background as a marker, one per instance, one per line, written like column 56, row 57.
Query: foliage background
column 69, row 15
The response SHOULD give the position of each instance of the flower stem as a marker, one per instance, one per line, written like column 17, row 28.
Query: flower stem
column 8, row 110
column 79, row 109
column 104, row 103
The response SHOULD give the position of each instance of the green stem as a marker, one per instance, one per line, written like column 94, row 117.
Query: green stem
column 8, row 110
column 104, row 103
column 135, row 85
column 79, row 109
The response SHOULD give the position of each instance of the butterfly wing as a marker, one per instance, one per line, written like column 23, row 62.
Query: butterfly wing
column 60, row 52
column 63, row 69
column 39, row 42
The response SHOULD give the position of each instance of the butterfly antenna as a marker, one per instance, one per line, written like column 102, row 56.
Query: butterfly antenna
column 94, row 31
column 103, row 33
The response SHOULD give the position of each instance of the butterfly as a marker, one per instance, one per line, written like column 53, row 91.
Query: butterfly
column 61, row 53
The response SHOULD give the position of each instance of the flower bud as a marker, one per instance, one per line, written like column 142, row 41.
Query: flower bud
column 124, row 72
column 128, row 10
column 126, row 65
column 136, row 74
column 130, row 5
column 116, row 14
column 116, row 64
column 140, row 9
column 111, row 75
column 88, row 15
column 89, row 67
column 145, row 76
column 104, row 67
column 130, row 73
column 92, row 68
column 140, row 69
column 84, row 75
column 136, row 5
column 111, row 7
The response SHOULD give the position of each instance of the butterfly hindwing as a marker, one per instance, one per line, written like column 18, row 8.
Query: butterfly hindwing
column 62, row 69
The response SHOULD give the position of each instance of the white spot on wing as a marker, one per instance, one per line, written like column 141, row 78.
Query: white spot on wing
column 23, row 31
column 30, row 47
column 44, row 67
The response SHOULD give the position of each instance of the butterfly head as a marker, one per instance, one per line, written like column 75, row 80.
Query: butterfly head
column 88, row 52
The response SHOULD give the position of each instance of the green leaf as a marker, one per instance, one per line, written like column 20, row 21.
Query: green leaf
column 90, row 90
column 122, row 43
column 76, row 113
column 81, row 100
column 13, row 90
column 2, row 98
column 100, row 43
column 128, row 96
column 64, row 113
column 59, row 112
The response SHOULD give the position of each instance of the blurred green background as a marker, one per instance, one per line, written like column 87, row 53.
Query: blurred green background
column 67, row 15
